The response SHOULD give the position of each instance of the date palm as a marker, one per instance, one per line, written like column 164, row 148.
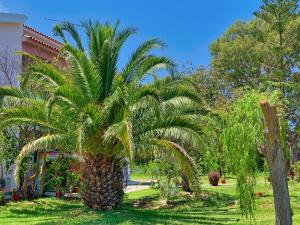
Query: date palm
column 91, row 108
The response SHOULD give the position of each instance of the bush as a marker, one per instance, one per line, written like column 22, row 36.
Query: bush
column 213, row 178
column 168, row 189
column 59, row 176
column 160, row 170
column 167, row 176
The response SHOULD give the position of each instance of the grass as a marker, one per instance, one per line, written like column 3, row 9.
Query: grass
column 145, row 207
column 138, row 176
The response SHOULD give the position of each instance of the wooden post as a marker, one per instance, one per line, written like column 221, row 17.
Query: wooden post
column 277, row 164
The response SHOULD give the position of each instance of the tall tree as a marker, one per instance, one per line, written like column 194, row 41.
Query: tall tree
column 264, row 49
column 264, row 54
column 281, row 36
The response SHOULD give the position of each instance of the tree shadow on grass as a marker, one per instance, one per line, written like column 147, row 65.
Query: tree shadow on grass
column 216, row 209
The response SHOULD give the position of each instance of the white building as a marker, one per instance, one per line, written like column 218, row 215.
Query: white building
column 15, row 36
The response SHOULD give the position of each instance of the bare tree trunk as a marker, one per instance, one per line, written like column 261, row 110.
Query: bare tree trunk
column 277, row 164
column 185, row 183
column 1, row 171
column 292, row 139
column 33, row 178
column 42, row 175
column 9, row 67
column 25, row 185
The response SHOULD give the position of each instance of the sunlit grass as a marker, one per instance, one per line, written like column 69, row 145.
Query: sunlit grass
column 219, row 208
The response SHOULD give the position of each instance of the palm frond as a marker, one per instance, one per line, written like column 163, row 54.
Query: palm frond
column 71, row 29
column 150, row 65
column 83, row 74
column 122, row 131
column 139, row 55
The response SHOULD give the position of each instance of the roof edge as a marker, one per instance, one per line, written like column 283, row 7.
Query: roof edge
column 12, row 18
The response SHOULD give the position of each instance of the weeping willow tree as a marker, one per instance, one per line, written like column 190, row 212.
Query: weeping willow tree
column 243, row 137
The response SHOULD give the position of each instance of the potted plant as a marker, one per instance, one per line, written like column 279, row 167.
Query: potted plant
column 58, row 194
column 76, row 189
column 58, row 191
column 15, row 196
column 213, row 178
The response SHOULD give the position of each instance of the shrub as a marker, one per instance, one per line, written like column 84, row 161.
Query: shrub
column 167, row 176
column 168, row 189
column 59, row 176
column 213, row 178
column 160, row 171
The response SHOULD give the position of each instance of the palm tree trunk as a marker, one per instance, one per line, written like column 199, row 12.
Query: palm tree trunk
column 102, row 178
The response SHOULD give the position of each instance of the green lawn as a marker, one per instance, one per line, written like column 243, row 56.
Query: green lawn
column 139, row 177
column 145, row 207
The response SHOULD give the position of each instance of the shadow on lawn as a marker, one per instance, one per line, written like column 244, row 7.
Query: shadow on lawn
column 214, row 210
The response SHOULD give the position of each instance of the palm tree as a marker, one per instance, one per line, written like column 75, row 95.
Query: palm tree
column 103, row 114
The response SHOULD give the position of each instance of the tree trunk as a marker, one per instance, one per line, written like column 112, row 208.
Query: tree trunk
column 292, row 139
column 185, row 183
column 33, row 178
column 1, row 171
column 42, row 174
column 277, row 164
column 25, row 185
column 102, row 179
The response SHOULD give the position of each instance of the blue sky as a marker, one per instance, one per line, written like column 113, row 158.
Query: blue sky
column 188, row 27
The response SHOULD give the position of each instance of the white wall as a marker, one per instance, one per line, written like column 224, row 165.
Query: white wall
column 11, row 34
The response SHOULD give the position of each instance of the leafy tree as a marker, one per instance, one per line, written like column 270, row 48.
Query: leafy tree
column 266, row 49
column 236, row 57
column 212, row 93
column 8, row 149
column 103, row 113
column 280, row 37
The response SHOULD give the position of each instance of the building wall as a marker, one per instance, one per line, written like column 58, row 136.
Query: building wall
column 11, row 34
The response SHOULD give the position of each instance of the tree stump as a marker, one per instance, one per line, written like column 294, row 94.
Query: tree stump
column 277, row 164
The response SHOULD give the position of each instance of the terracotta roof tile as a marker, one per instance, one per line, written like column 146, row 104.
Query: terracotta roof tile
column 46, row 36
column 42, row 43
